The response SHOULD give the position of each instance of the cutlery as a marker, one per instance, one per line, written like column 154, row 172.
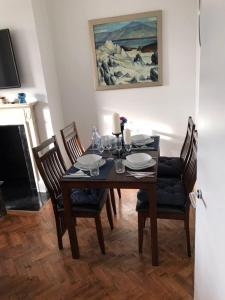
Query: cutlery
column 140, row 176
column 140, row 173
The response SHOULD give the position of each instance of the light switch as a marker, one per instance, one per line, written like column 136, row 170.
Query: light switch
column 194, row 196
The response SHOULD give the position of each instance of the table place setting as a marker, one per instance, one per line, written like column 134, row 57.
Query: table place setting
column 141, row 139
column 89, row 165
column 139, row 161
column 90, row 162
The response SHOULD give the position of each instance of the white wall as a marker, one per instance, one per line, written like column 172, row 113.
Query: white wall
column 28, row 24
column 210, row 220
column 163, row 109
column 18, row 17
column 49, row 69
column 56, row 66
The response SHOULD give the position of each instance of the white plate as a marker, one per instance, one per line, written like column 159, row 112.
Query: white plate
column 86, row 168
column 132, row 167
column 88, row 159
column 146, row 142
column 140, row 138
column 138, row 158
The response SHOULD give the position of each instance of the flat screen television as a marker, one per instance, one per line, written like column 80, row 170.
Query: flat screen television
column 9, row 77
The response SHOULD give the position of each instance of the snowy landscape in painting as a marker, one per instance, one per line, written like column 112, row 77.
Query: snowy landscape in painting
column 126, row 52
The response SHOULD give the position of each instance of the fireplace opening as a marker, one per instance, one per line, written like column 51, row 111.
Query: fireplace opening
column 18, row 188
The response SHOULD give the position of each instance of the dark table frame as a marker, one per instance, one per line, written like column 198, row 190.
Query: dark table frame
column 113, row 180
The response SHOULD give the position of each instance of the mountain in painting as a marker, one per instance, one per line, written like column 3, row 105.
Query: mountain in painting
column 116, row 66
column 133, row 30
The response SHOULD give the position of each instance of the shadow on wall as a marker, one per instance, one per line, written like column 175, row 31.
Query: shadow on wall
column 170, row 144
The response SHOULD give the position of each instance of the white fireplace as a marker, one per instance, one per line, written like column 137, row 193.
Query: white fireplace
column 23, row 114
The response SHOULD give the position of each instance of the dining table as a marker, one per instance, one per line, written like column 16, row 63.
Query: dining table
column 109, row 179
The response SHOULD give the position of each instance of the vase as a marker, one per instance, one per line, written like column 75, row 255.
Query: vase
column 22, row 98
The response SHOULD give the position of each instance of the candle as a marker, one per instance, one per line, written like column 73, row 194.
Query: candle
column 116, row 123
column 127, row 136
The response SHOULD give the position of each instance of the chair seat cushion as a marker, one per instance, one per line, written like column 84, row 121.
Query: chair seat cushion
column 170, row 194
column 85, row 200
column 170, row 166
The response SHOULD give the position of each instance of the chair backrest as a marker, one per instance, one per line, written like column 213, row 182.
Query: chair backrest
column 185, row 151
column 72, row 142
column 190, row 172
column 51, row 165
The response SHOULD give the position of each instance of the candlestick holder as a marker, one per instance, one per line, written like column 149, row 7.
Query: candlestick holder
column 116, row 134
column 122, row 130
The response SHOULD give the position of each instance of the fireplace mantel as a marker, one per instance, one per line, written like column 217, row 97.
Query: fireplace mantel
column 23, row 114
column 17, row 105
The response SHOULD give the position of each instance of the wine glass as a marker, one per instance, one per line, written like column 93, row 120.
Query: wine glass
column 101, row 146
column 128, row 148
column 108, row 144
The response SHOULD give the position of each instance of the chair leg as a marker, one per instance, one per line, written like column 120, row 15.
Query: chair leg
column 119, row 193
column 112, row 196
column 109, row 212
column 187, row 230
column 98, row 224
column 144, row 222
column 141, row 220
column 59, row 232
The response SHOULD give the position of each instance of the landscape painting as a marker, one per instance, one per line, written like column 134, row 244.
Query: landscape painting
column 127, row 50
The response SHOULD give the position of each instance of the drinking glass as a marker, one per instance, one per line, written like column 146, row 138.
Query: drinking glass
column 119, row 166
column 94, row 169
column 118, row 145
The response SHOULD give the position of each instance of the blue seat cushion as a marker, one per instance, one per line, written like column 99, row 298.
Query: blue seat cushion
column 170, row 194
column 84, row 200
column 170, row 166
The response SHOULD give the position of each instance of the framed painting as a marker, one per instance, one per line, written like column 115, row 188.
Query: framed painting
column 127, row 50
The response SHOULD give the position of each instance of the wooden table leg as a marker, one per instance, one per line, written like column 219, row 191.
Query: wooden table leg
column 153, row 221
column 70, row 221
column 113, row 202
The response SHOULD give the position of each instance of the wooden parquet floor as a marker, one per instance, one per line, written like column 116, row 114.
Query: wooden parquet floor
column 32, row 267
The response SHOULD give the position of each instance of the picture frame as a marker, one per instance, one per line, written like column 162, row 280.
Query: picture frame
column 127, row 51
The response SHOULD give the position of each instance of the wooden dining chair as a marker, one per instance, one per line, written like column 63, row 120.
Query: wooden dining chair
column 86, row 203
column 71, row 142
column 174, row 166
column 172, row 197
column 75, row 149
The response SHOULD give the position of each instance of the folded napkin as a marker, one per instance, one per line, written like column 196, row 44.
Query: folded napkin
column 78, row 174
